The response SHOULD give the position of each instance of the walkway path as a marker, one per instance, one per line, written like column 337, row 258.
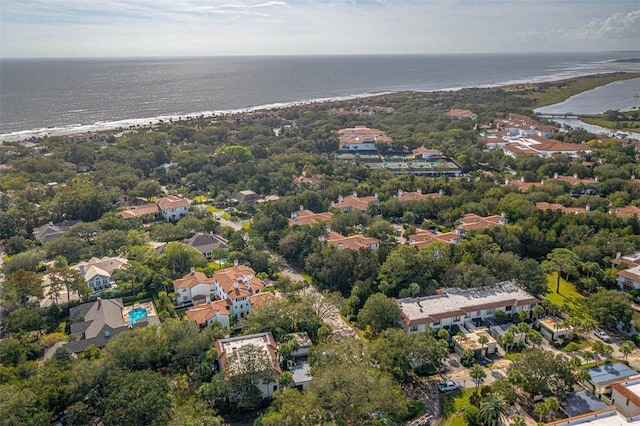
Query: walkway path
column 340, row 328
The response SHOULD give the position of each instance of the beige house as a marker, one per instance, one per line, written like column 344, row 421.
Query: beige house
column 553, row 329
column 471, row 342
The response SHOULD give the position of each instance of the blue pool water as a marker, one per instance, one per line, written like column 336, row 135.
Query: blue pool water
column 137, row 314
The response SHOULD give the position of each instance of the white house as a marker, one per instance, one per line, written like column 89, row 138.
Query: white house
column 172, row 208
column 236, row 285
column 362, row 138
column 193, row 287
column 626, row 397
column 230, row 358
column 208, row 313
column 553, row 329
column 455, row 306
column 97, row 271
column 629, row 279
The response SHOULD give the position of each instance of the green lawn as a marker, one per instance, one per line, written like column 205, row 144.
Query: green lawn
column 200, row 198
column 453, row 406
column 214, row 209
column 568, row 296
column 636, row 319
column 625, row 126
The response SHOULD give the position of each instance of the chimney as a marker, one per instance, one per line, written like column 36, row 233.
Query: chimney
column 419, row 190
column 301, row 207
column 441, row 192
column 588, row 207
column 235, row 263
column 399, row 193
column 555, row 175
column 355, row 194
column 542, row 182
column 575, row 176
column 506, row 182
column 193, row 270
column 618, row 255
column 376, row 196
column 632, row 177
column 235, row 285
column 340, row 198
column 522, row 179
column 503, row 215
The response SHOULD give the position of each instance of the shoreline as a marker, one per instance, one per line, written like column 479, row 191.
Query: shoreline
column 111, row 127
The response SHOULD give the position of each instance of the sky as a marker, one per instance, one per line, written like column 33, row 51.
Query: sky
column 133, row 28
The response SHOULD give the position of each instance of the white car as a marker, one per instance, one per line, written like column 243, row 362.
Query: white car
column 448, row 386
column 602, row 335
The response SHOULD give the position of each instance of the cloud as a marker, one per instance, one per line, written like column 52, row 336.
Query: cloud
column 221, row 27
column 615, row 27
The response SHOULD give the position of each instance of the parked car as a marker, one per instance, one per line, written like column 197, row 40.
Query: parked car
column 448, row 386
column 602, row 335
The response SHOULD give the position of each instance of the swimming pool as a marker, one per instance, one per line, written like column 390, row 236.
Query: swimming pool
column 137, row 314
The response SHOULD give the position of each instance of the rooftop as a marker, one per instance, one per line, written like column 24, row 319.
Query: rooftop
column 456, row 301
column 264, row 341
column 610, row 373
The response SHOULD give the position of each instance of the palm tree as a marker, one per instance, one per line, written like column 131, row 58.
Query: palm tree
column 538, row 311
column 588, row 355
column 541, row 410
column 598, row 349
column 477, row 374
column 552, row 405
column 483, row 339
column 518, row 420
column 492, row 408
column 508, row 339
column 582, row 375
column 626, row 348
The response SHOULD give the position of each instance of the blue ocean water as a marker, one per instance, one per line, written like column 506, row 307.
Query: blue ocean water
column 61, row 96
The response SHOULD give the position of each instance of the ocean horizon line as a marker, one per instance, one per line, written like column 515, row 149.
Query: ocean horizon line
column 322, row 55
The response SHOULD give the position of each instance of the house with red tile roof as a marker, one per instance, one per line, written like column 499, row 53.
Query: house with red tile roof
column 306, row 181
column 236, row 285
column 304, row 217
column 628, row 211
column 406, row 196
column 629, row 279
column 362, row 138
column 625, row 395
column 191, row 287
column 148, row 212
column 522, row 185
column 231, row 360
column 173, row 208
column 353, row 202
column 472, row 221
column 461, row 114
column 208, row 313
column 424, row 238
column 566, row 210
column 424, row 153
column 353, row 242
